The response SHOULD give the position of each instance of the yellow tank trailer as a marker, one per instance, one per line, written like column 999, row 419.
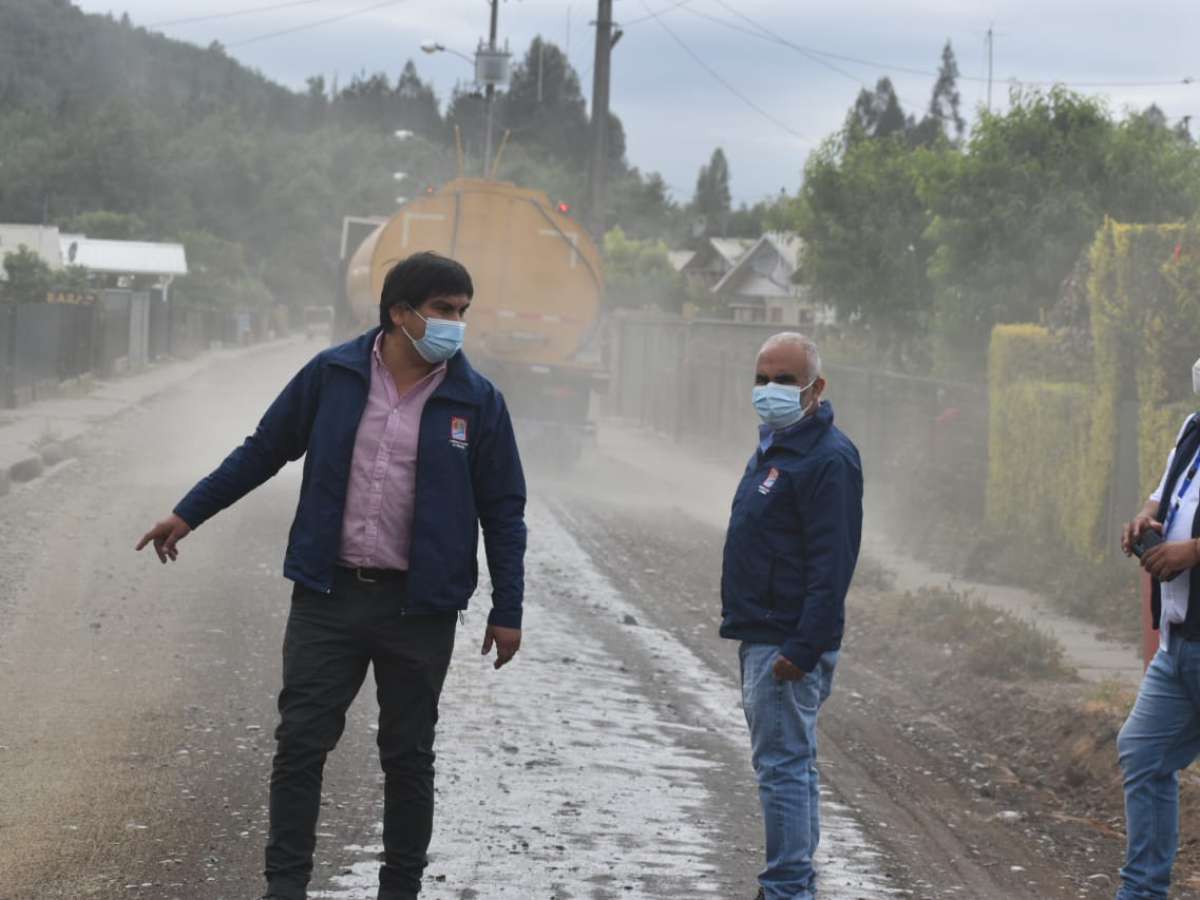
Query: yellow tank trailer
column 538, row 288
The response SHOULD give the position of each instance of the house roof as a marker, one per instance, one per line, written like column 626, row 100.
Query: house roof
column 784, row 244
column 729, row 250
column 789, row 244
column 732, row 249
column 680, row 258
column 123, row 257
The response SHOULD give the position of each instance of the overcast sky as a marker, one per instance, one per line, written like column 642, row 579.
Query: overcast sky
column 675, row 112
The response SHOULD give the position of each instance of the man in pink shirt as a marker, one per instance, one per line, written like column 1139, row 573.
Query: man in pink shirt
column 408, row 453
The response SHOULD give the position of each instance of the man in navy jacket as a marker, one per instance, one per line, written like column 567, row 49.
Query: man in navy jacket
column 790, row 554
column 407, row 452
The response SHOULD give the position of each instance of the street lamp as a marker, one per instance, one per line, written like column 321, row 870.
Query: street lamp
column 432, row 47
column 492, row 67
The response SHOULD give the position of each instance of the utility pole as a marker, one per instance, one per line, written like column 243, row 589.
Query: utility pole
column 991, row 41
column 601, row 80
column 491, row 88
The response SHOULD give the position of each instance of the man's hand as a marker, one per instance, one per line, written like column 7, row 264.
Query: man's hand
column 1135, row 529
column 786, row 670
column 165, row 535
column 1167, row 560
column 507, row 641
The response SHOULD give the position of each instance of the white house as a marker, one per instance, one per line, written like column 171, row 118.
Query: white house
column 713, row 260
column 41, row 239
column 760, row 286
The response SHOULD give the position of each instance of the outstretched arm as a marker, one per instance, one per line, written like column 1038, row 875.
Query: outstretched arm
column 281, row 436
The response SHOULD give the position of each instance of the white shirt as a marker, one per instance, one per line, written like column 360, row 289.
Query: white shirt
column 1175, row 593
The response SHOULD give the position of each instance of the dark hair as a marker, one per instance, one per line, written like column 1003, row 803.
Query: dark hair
column 419, row 278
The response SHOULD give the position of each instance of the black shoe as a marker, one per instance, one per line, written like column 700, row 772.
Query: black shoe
column 760, row 895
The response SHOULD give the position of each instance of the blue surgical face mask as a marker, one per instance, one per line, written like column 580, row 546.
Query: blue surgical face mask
column 780, row 405
column 442, row 340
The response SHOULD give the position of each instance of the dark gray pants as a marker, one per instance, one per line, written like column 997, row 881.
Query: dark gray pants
column 329, row 642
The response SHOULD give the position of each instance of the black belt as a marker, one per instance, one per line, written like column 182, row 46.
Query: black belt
column 374, row 576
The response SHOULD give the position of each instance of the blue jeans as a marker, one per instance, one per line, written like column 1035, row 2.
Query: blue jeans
column 1160, row 737
column 782, row 716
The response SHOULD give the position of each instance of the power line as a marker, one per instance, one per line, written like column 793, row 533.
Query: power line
column 717, row 75
column 679, row 4
column 766, row 33
column 761, row 32
column 316, row 24
column 213, row 17
column 653, row 14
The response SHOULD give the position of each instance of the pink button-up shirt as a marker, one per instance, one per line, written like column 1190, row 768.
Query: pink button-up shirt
column 377, row 523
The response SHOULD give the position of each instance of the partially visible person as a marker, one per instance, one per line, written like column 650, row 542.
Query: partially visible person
column 1161, row 737
column 408, row 452
column 790, row 553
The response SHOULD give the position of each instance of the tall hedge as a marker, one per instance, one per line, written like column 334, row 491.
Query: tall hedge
column 1039, row 457
column 1053, row 436
column 1144, row 299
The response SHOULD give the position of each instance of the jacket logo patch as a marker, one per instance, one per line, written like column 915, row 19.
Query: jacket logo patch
column 458, row 432
column 772, row 477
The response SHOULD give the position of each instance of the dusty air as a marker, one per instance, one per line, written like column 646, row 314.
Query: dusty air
column 653, row 449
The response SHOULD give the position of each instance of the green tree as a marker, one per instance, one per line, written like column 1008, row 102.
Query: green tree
column 1012, row 214
column 219, row 274
column 318, row 101
column 749, row 221
column 27, row 277
column 108, row 225
column 876, row 114
column 866, row 249
column 641, row 205
column 416, row 105
column 943, row 119
column 467, row 114
column 712, row 200
column 367, row 102
column 544, row 106
column 1153, row 171
column 638, row 274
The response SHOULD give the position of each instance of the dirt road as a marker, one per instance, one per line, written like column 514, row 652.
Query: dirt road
column 609, row 761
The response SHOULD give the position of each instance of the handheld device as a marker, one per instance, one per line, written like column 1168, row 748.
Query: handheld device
column 1150, row 538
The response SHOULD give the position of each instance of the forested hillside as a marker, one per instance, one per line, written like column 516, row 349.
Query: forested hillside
column 109, row 128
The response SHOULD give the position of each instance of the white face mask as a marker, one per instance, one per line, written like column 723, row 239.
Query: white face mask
column 1196, row 376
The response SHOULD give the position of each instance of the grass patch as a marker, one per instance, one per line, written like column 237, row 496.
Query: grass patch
column 1105, row 593
column 994, row 642
column 1112, row 696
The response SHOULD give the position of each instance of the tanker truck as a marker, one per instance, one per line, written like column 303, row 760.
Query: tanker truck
column 538, row 288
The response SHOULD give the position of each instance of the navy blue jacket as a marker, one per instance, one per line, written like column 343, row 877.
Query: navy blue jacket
column 793, row 542
column 466, row 477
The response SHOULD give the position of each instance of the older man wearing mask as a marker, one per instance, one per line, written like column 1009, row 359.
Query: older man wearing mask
column 790, row 554
column 1161, row 737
